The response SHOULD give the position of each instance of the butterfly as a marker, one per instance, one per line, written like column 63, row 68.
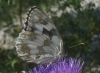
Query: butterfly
column 39, row 41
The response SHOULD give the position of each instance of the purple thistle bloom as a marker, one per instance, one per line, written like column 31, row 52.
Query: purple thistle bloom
column 71, row 66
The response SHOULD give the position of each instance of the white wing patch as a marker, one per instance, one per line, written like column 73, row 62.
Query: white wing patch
column 39, row 41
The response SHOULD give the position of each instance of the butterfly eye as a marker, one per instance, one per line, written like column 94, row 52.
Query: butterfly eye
column 26, row 51
column 25, row 46
column 32, row 37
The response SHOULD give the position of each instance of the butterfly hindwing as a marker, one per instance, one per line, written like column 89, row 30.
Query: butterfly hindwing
column 39, row 41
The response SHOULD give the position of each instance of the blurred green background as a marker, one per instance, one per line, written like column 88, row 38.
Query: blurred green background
column 77, row 21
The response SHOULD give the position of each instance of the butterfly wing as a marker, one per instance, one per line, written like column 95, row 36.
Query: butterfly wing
column 39, row 41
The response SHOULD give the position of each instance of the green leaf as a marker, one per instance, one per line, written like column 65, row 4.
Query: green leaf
column 13, row 63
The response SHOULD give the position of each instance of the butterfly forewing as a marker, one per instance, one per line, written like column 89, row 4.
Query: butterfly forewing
column 39, row 41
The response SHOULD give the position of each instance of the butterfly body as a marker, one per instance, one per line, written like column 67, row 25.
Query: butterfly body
column 39, row 41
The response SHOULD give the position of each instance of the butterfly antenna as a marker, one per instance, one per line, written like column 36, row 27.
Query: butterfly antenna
column 77, row 45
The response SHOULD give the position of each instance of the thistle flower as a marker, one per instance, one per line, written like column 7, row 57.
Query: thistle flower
column 62, row 66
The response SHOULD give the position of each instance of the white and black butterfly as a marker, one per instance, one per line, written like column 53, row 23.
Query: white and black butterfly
column 39, row 41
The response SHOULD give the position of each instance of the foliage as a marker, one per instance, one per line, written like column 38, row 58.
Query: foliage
column 79, row 26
